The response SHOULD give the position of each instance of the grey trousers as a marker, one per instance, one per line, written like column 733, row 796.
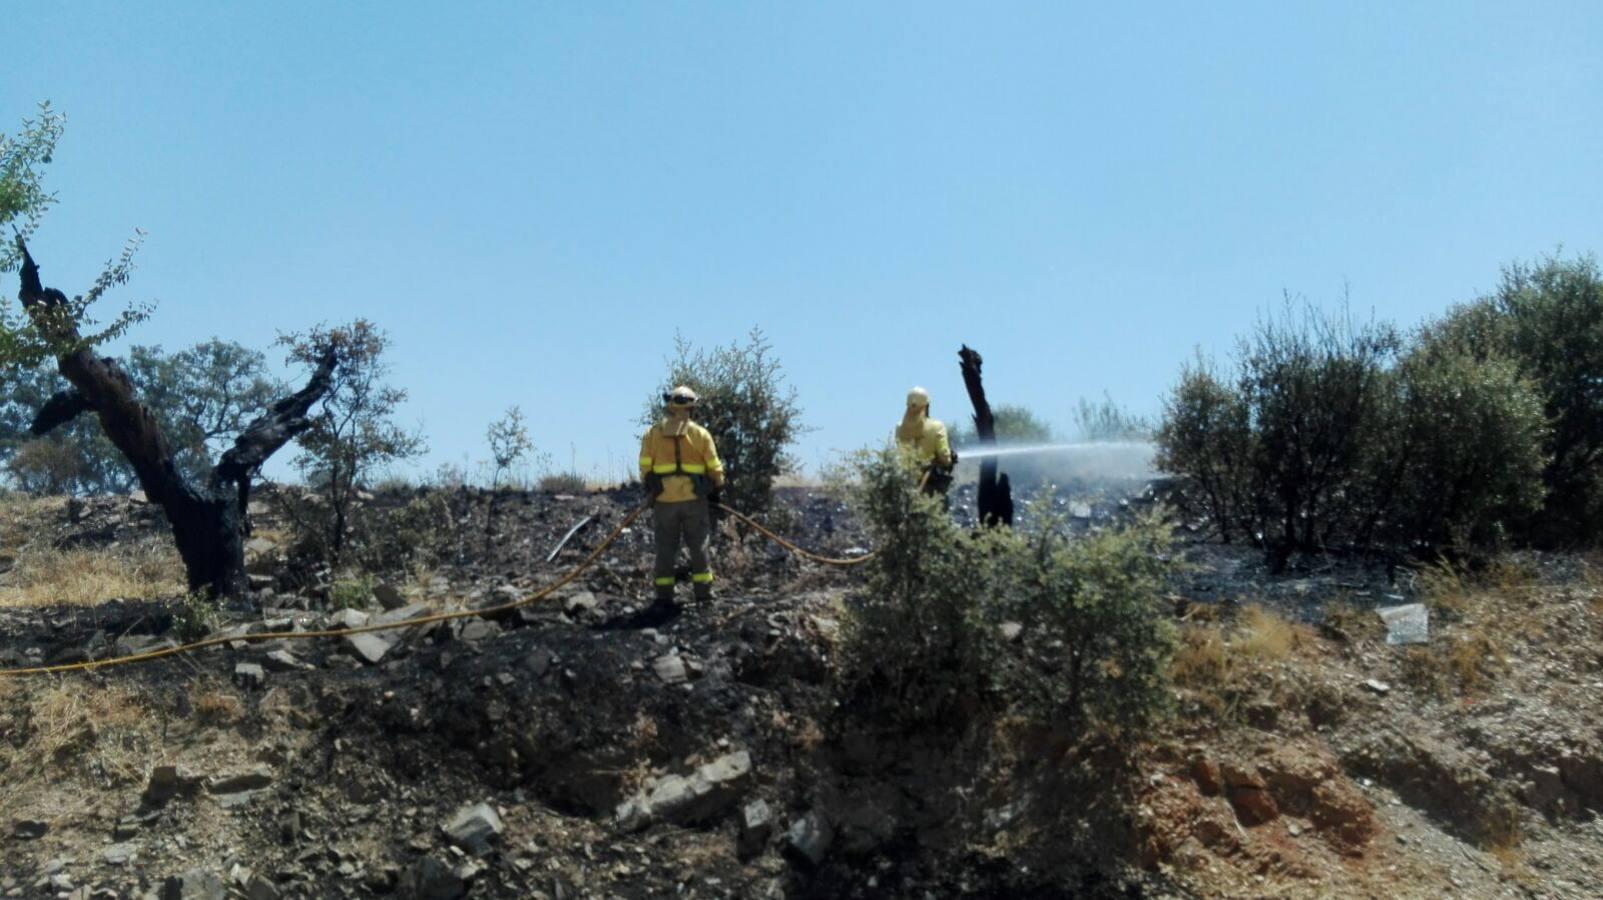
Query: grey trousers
column 691, row 522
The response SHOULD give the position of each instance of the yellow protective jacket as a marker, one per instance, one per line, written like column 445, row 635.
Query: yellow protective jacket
column 677, row 448
column 926, row 438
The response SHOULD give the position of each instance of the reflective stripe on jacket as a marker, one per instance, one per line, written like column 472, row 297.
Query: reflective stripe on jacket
column 696, row 455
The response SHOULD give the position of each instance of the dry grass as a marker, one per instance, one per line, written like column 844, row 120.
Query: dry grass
column 1450, row 589
column 84, row 577
column 1199, row 658
column 1209, row 655
column 109, row 734
column 1510, row 575
column 1465, row 663
column 214, row 704
column 1475, row 659
column 21, row 515
column 1445, row 587
column 1263, row 635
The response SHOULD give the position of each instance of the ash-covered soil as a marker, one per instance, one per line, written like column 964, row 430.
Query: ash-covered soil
column 575, row 749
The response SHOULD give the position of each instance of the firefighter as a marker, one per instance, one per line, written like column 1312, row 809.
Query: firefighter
column 925, row 438
column 683, row 476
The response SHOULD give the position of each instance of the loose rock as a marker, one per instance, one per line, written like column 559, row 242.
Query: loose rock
column 196, row 884
column 810, row 838
column 249, row 675
column 431, row 879
column 369, row 648
column 475, row 828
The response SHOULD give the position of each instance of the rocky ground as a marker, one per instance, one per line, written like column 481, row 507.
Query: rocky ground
column 574, row 749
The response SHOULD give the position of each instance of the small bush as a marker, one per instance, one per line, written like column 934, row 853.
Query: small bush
column 1463, row 471
column 1106, row 420
column 916, row 647
column 746, row 405
column 1096, row 637
column 1206, row 435
column 195, row 616
column 921, row 646
column 563, row 483
column 351, row 593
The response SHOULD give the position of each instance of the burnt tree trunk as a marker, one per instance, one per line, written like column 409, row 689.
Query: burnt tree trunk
column 209, row 521
column 995, row 495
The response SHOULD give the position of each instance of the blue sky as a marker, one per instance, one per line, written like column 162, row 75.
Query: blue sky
column 533, row 197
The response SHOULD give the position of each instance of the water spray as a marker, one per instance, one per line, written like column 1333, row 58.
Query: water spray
column 982, row 452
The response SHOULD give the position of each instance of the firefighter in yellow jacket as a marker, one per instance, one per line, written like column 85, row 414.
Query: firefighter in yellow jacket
column 683, row 476
column 925, row 438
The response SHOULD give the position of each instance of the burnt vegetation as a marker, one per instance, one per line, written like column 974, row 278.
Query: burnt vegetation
column 1027, row 667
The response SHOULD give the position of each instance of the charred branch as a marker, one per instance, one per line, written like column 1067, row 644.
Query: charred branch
column 282, row 422
column 60, row 409
column 995, row 496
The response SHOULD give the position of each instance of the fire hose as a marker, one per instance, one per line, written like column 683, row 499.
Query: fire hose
column 488, row 611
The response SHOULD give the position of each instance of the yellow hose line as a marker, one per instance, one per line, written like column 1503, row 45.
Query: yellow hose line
column 535, row 597
column 805, row 554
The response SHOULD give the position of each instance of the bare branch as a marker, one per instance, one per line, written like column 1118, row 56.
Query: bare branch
column 282, row 421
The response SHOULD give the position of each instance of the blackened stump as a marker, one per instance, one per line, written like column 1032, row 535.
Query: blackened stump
column 994, row 496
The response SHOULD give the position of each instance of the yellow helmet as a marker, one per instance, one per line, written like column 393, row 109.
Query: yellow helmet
column 918, row 398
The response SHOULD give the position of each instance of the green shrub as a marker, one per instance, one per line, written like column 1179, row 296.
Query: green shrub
column 1013, row 424
column 1547, row 318
column 916, row 649
column 351, row 593
column 1096, row 638
column 1284, row 451
column 389, row 538
column 1465, row 456
column 195, row 617
column 1206, row 435
column 1316, row 386
column 1327, row 434
column 921, row 646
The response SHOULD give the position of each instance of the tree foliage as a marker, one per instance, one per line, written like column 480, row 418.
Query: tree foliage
column 1546, row 318
column 746, row 405
column 1107, row 420
column 1463, row 460
column 63, row 324
column 353, row 432
column 23, row 198
column 202, row 396
column 1328, row 434
column 1206, row 434
column 1014, row 425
